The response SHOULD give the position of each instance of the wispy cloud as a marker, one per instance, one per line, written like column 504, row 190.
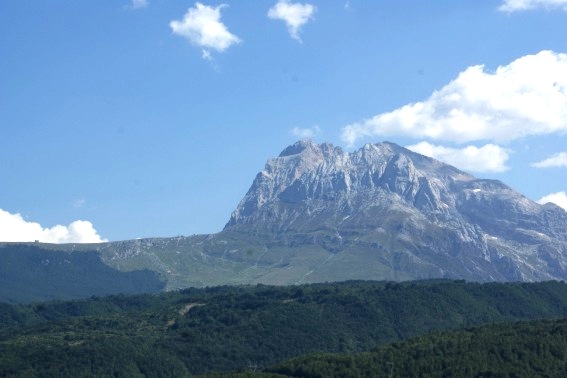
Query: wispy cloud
column 306, row 133
column 559, row 198
column 524, row 5
column 138, row 4
column 295, row 15
column 488, row 158
column 14, row 228
column 556, row 160
column 526, row 97
column 79, row 203
column 202, row 26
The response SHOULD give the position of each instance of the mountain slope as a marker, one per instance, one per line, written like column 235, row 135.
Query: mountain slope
column 29, row 273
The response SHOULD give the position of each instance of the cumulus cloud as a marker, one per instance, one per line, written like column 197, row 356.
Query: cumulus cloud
column 306, row 133
column 14, row 228
column 295, row 15
column 202, row 26
column 556, row 160
column 523, row 5
column 526, row 97
column 488, row 158
column 559, row 198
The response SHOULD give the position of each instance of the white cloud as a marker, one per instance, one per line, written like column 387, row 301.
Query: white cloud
column 201, row 25
column 139, row 4
column 295, row 15
column 306, row 133
column 559, row 198
column 526, row 97
column 14, row 228
column 523, row 5
column 488, row 158
column 207, row 55
column 556, row 160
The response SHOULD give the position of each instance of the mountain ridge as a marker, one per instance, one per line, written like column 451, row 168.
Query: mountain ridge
column 311, row 187
column 316, row 213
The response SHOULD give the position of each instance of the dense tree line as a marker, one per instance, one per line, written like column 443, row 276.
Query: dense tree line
column 195, row 331
column 534, row 349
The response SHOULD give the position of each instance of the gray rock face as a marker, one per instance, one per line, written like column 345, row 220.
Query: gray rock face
column 417, row 216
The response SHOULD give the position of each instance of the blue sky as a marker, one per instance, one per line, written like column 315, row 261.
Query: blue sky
column 123, row 119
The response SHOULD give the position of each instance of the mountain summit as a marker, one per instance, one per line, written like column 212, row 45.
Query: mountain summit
column 309, row 185
column 413, row 214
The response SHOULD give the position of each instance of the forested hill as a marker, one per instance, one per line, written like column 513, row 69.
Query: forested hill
column 196, row 331
column 524, row 349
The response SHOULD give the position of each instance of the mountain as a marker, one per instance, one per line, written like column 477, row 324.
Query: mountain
column 404, row 212
column 317, row 213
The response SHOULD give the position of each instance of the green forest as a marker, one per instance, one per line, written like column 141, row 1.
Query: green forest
column 424, row 328
column 524, row 349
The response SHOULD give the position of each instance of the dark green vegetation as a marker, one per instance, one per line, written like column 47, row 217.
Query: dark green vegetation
column 29, row 273
column 197, row 331
column 527, row 349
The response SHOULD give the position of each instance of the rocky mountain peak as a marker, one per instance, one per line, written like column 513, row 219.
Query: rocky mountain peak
column 324, row 176
column 388, row 196
column 306, row 146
